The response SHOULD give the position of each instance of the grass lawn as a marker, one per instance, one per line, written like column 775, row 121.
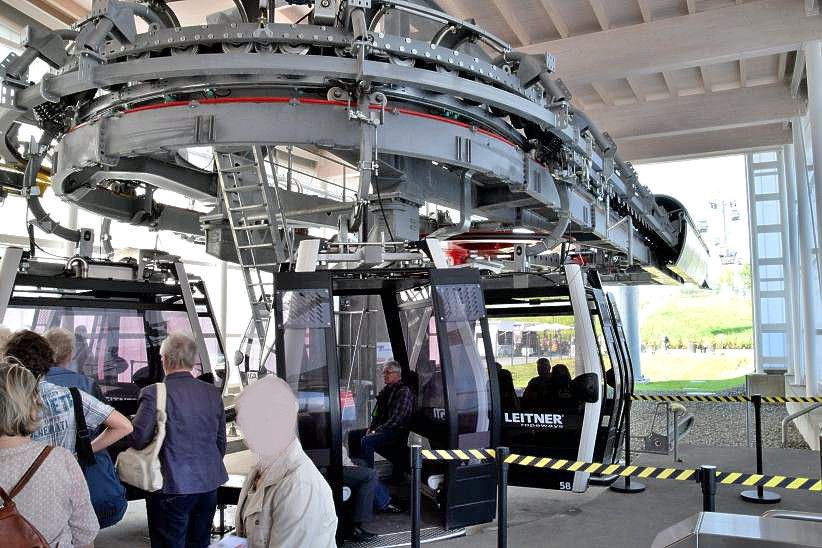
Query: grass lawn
column 671, row 371
column 690, row 386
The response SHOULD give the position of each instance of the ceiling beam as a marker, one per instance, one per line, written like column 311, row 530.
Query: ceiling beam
column 601, row 13
column 452, row 7
column 798, row 71
column 69, row 7
column 706, row 81
column 603, row 93
column 645, row 11
column 669, row 83
column 691, row 6
column 711, row 143
column 707, row 37
column 43, row 16
column 512, row 21
column 782, row 67
column 555, row 17
column 634, row 85
column 695, row 113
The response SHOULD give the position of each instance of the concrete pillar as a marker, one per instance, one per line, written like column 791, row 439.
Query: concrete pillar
column 808, row 288
column 813, row 63
column 792, row 281
column 631, row 323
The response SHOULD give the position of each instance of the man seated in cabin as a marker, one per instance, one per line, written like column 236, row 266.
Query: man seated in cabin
column 390, row 421
column 538, row 392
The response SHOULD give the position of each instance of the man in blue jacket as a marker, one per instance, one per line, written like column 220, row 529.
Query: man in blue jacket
column 180, row 514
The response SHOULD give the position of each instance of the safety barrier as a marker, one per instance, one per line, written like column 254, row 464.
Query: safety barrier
column 707, row 476
column 725, row 399
column 652, row 472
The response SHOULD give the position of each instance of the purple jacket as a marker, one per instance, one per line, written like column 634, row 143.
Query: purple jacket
column 192, row 453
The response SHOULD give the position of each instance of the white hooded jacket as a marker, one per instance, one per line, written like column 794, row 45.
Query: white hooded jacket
column 292, row 508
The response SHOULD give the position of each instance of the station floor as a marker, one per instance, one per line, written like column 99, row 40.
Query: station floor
column 599, row 516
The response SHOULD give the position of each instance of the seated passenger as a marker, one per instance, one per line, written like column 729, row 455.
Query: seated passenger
column 191, row 457
column 62, row 342
column 58, row 425
column 507, row 392
column 538, row 392
column 363, row 483
column 285, row 501
column 55, row 501
column 562, row 396
column 5, row 334
column 390, row 421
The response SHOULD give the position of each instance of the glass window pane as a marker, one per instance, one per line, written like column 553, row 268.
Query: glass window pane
column 761, row 157
column 769, row 245
column 773, row 345
column 766, row 181
column 767, row 212
column 306, row 321
column 772, row 309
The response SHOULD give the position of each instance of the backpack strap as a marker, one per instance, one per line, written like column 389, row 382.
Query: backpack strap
column 27, row 476
column 82, row 444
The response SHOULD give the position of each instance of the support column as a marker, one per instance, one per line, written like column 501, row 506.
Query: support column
column 71, row 222
column 794, row 305
column 222, row 301
column 632, row 328
column 805, row 259
column 813, row 63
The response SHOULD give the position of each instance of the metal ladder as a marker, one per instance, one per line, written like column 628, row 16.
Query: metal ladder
column 255, row 215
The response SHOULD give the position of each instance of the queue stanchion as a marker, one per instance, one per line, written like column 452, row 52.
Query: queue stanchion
column 759, row 495
column 502, row 497
column 416, row 491
column 707, row 480
column 628, row 486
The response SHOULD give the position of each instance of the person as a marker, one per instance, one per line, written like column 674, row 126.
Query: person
column 285, row 502
column 62, row 342
column 59, row 427
column 390, row 421
column 5, row 335
column 538, row 391
column 84, row 362
column 561, row 393
column 507, row 392
column 55, row 501
column 191, row 458
column 363, row 483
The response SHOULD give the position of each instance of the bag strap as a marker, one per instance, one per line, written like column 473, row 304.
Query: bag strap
column 27, row 476
column 161, row 397
column 85, row 456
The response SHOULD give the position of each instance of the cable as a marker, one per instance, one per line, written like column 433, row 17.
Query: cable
column 382, row 210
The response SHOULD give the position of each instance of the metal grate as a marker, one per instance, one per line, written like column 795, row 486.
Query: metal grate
column 392, row 540
column 460, row 303
column 306, row 308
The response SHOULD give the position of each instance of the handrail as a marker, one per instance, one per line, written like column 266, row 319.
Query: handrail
column 796, row 415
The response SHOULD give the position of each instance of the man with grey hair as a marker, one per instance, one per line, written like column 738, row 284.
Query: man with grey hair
column 191, row 457
column 390, row 420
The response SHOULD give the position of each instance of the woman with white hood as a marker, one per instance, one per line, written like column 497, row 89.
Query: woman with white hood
column 285, row 501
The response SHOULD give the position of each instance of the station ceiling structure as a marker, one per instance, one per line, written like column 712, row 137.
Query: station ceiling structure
column 669, row 78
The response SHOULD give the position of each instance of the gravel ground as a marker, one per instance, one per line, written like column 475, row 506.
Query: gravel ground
column 720, row 424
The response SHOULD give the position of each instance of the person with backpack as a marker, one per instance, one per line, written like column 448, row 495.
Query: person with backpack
column 44, row 496
column 77, row 421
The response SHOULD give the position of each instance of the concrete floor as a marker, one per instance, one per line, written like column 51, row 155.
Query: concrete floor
column 599, row 516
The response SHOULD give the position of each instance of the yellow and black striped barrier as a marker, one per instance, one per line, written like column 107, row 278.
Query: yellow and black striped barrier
column 651, row 472
column 725, row 399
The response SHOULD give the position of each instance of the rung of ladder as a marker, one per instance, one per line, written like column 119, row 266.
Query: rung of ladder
column 254, row 284
column 243, row 188
column 247, row 207
column 262, row 225
column 239, row 169
column 257, row 265
column 254, row 246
